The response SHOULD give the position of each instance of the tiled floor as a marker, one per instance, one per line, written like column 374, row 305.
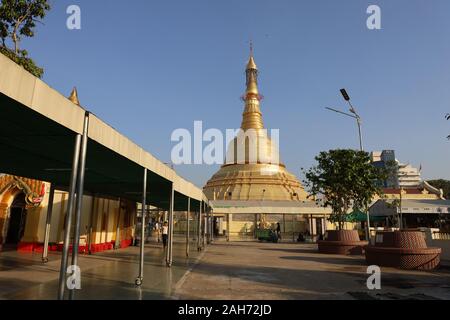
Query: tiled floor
column 236, row 270
column 107, row 275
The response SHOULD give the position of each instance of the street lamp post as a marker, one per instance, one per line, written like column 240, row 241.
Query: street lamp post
column 353, row 115
column 401, row 210
column 356, row 116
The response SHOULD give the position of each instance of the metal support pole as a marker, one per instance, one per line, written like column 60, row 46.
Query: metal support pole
column 367, row 226
column 401, row 210
column 68, row 222
column 199, row 227
column 293, row 228
column 79, row 203
column 117, row 240
column 212, row 224
column 169, row 255
column 211, row 221
column 255, row 226
column 208, row 224
column 228, row 227
column 140, row 277
column 358, row 120
column 361, row 147
column 205, row 225
column 90, row 225
column 48, row 222
column 188, row 214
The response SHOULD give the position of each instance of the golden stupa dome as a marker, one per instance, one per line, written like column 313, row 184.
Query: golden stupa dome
column 252, row 170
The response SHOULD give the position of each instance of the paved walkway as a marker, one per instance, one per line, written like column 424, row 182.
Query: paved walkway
column 107, row 275
column 250, row 270
column 227, row 271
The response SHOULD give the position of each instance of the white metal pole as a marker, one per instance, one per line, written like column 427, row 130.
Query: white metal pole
column 170, row 240
column 188, row 213
column 140, row 277
column 199, row 227
column 48, row 223
column 79, row 202
column 68, row 222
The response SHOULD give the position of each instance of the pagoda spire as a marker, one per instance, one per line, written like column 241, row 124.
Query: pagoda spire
column 74, row 96
column 251, row 72
column 252, row 117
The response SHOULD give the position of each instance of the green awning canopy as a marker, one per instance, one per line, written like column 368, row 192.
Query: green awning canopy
column 359, row 216
column 37, row 147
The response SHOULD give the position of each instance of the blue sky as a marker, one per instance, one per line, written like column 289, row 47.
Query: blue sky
column 149, row 67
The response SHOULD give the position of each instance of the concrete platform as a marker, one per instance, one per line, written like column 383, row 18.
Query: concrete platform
column 104, row 276
column 250, row 270
column 227, row 271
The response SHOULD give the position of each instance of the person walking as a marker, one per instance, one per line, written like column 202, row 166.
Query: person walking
column 157, row 229
column 278, row 230
column 165, row 233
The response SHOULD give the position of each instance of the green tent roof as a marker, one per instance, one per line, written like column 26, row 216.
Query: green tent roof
column 359, row 216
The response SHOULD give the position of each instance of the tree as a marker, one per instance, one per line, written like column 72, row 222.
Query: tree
column 18, row 19
column 441, row 184
column 345, row 179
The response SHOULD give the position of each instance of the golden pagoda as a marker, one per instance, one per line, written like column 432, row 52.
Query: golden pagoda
column 249, row 175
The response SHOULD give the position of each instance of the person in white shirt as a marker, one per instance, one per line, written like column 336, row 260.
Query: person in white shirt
column 157, row 229
column 165, row 233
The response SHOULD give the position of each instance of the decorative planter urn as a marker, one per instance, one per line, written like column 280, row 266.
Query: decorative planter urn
column 343, row 242
column 403, row 250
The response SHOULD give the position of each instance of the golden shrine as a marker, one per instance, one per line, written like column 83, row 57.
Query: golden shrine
column 259, row 178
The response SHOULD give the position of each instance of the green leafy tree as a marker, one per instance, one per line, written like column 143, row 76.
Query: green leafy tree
column 441, row 184
column 344, row 179
column 18, row 19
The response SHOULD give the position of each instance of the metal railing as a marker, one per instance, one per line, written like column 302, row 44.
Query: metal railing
column 438, row 235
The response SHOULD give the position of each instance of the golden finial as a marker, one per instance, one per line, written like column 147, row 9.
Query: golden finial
column 251, row 62
column 74, row 96
column 252, row 75
column 252, row 118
